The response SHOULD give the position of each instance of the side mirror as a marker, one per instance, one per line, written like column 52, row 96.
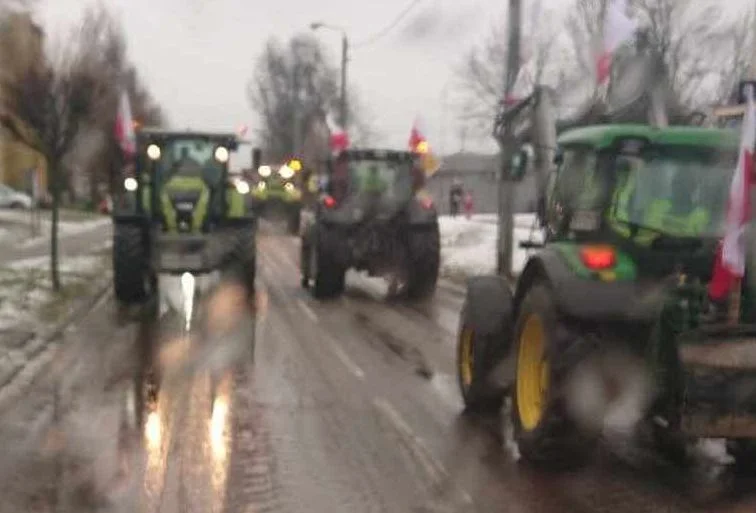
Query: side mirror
column 518, row 165
column 256, row 159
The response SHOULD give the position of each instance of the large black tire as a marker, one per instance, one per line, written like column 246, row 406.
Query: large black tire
column 304, row 263
column 328, row 274
column 241, row 265
column 424, row 255
column 554, row 441
column 479, row 393
column 130, row 266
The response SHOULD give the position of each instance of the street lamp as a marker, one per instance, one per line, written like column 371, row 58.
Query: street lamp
column 344, row 60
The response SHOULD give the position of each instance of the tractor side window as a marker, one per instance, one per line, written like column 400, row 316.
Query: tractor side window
column 577, row 185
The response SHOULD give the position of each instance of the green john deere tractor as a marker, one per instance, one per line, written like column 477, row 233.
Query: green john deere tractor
column 183, row 213
column 278, row 192
column 632, row 217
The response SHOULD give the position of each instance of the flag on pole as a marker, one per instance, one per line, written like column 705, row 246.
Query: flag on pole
column 124, row 129
column 339, row 138
column 418, row 143
column 618, row 29
column 729, row 263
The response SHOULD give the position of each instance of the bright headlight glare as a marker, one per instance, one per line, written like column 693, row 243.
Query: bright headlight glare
column 221, row 154
column 286, row 172
column 264, row 171
column 130, row 184
column 242, row 187
column 153, row 151
column 289, row 187
column 261, row 186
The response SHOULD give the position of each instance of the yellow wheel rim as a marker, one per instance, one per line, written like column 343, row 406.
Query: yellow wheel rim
column 532, row 373
column 466, row 356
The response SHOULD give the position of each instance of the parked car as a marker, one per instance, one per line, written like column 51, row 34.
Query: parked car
column 11, row 198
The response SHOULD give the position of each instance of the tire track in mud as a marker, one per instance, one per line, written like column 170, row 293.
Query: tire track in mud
column 390, row 477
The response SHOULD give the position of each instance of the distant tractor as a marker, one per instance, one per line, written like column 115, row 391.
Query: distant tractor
column 376, row 216
column 278, row 192
column 183, row 212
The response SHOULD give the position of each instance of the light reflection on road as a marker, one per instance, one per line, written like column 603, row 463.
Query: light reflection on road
column 220, row 439
column 156, row 447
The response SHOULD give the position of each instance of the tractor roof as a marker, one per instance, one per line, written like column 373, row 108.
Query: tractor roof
column 603, row 136
column 174, row 134
column 377, row 154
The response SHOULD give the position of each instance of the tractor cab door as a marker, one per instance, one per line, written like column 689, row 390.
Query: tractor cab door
column 575, row 194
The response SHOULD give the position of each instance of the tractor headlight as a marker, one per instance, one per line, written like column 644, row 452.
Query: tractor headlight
column 264, row 171
column 289, row 187
column 153, row 151
column 286, row 172
column 262, row 186
column 221, row 154
column 242, row 187
column 130, row 184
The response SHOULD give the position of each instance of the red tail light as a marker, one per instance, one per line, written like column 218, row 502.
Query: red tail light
column 426, row 203
column 329, row 202
column 598, row 258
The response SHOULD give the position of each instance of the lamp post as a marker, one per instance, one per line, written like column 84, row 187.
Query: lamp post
column 344, row 59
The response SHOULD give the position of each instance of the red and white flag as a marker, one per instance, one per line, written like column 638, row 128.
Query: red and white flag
column 417, row 135
column 729, row 264
column 618, row 28
column 339, row 138
column 124, row 128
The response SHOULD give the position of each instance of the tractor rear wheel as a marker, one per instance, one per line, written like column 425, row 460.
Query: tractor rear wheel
column 130, row 266
column 328, row 275
column 424, row 255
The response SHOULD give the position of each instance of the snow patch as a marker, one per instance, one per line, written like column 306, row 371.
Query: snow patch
column 468, row 246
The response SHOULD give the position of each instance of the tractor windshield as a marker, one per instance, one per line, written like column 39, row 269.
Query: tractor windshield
column 392, row 180
column 678, row 191
column 191, row 158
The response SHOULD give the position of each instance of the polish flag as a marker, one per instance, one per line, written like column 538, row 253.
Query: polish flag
column 618, row 29
column 729, row 264
column 417, row 135
column 339, row 138
column 124, row 127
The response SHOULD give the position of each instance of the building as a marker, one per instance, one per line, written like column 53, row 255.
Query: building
column 21, row 49
column 478, row 175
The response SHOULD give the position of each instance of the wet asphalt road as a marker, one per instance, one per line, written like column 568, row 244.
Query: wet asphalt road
column 348, row 405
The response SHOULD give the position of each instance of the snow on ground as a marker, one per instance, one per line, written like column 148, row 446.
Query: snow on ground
column 16, row 225
column 468, row 246
column 26, row 296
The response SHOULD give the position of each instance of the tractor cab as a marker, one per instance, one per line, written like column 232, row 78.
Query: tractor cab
column 656, row 195
column 183, row 178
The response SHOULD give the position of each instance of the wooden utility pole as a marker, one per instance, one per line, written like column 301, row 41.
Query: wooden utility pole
column 506, row 186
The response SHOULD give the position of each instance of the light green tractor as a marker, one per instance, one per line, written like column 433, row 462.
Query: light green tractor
column 183, row 213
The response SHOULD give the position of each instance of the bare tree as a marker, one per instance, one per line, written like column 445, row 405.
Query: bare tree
column 46, row 108
column 108, row 57
column 481, row 77
column 291, row 82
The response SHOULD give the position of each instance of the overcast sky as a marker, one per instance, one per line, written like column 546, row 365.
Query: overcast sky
column 197, row 55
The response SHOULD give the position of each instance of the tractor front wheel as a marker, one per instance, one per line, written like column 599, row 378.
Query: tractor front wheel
column 130, row 266
column 545, row 434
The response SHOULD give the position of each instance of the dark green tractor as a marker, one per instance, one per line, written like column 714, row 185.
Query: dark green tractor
column 182, row 212
column 632, row 217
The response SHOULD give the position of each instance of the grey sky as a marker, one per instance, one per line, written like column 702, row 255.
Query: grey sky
column 197, row 55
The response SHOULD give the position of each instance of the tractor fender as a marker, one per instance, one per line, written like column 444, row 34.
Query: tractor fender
column 585, row 298
column 489, row 305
